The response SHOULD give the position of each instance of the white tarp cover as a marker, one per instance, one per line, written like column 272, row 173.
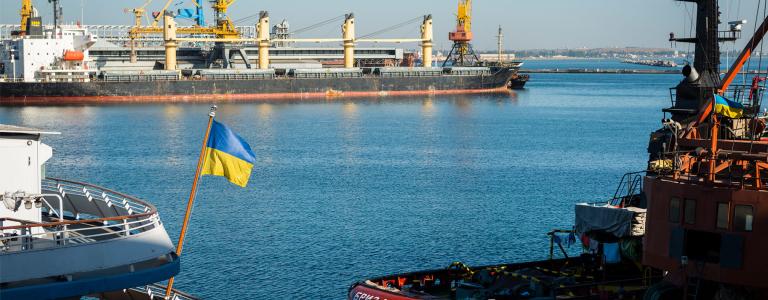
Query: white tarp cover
column 616, row 221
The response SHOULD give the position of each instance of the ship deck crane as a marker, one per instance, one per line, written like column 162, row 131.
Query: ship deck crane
column 138, row 13
column 224, row 28
column 26, row 13
column 462, row 53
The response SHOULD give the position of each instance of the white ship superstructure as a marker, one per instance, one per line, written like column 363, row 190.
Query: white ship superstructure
column 60, row 54
column 62, row 239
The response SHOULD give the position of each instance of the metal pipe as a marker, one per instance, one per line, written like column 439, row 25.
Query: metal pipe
column 389, row 40
column 256, row 40
column 61, row 204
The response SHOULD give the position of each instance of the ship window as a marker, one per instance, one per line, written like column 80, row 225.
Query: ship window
column 743, row 216
column 674, row 210
column 690, row 211
column 722, row 216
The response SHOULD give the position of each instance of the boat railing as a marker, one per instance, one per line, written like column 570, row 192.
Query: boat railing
column 672, row 96
column 728, row 35
column 747, row 95
column 83, row 213
column 630, row 185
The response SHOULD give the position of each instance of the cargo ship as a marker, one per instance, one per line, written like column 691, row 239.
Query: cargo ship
column 690, row 226
column 60, row 65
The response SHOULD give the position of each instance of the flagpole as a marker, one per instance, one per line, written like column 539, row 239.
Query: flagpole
column 191, row 200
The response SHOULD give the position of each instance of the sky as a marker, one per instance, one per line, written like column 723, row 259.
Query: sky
column 529, row 24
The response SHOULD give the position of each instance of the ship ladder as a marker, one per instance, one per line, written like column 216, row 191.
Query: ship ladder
column 692, row 290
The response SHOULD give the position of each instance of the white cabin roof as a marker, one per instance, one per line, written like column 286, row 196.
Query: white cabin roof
column 26, row 130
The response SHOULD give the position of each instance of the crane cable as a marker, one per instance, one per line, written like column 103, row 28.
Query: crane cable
column 247, row 18
column 318, row 25
column 393, row 27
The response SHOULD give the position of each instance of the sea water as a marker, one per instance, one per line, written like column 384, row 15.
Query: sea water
column 346, row 189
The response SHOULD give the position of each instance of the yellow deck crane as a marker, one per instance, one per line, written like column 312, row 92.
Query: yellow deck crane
column 26, row 13
column 138, row 13
column 224, row 28
column 462, row 53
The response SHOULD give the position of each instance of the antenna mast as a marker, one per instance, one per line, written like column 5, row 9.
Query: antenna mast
column 500, row 39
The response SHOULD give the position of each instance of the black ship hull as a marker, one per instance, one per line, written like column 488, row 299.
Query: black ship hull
column 518, row 81
column 191, row 90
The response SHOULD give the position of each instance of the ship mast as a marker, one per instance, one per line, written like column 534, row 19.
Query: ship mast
column 695, row 105
column 707, row 60
column 500, row 39
column 702, row 79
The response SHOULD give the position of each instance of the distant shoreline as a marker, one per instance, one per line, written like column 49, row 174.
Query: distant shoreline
column 566, row 58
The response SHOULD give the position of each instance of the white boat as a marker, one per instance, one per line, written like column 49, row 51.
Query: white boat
column 67, row 239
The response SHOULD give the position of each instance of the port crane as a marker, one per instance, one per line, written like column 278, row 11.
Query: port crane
column 223, row 29
column 462, row 53
column 26, row 13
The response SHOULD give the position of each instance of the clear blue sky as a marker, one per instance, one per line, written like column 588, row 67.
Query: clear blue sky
column 528, row 24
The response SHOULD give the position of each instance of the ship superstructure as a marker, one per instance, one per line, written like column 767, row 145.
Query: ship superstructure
column 706, row 188
column 66, row 239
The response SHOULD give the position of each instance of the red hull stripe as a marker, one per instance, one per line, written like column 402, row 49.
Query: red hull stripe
column 231, row 97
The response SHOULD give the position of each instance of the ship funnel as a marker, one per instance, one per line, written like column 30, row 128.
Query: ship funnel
column 690, row 73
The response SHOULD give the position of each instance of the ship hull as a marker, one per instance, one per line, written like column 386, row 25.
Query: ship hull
column 30, row 93
column 548, row 279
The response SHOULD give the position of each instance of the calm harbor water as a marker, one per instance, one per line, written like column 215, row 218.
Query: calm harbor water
column 345, row 190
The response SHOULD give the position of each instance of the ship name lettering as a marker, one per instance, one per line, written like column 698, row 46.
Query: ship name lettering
column 364, row 296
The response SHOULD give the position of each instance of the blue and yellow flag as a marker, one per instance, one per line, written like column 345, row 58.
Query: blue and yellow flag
column 228, row 155
column 728, row 108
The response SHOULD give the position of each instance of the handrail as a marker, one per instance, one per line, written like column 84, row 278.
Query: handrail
column 78, row 236
column 136, row 216
column 151, row 209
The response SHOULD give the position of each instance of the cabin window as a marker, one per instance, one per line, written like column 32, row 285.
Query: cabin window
column 690, row 211
column 743, row 216
column 674, row 210
column 722, row 216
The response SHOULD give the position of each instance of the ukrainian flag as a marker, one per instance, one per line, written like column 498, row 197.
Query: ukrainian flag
column 728, row 108
column 228, row 155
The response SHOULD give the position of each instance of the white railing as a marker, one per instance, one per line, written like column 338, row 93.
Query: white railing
column 101, row 215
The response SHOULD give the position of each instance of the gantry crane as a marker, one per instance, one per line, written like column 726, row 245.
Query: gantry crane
column 462, row 53
column 224, row 28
